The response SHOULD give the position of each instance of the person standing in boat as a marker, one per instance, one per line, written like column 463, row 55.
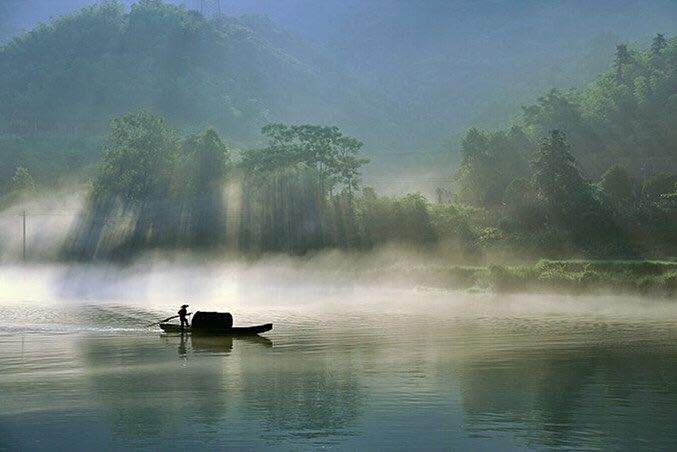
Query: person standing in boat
column 183, row 316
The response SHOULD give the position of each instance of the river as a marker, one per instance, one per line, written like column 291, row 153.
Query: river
column 364, row 369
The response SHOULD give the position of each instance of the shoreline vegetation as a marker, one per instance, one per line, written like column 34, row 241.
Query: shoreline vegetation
column 652, row 279
column 571, row 277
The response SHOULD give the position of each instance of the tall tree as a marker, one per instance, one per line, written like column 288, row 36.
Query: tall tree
column 657, row 185
column 658, row 44
column 22, row 182
column 622, row 60
column 618, row 188
column 136, row 177
column 569, row 204
column 489, row 162
column 206, row 164
column 556, row 177
column 290, row 184
column 333, row 156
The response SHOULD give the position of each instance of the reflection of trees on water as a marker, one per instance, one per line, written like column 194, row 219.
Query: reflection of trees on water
column 149, row 387
column 310, row 397
column 145, row 394
column 581, row 395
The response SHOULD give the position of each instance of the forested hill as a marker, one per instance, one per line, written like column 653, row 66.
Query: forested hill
column 627, row 117
column 447, row 64
column 402, row 75
column 63, row 82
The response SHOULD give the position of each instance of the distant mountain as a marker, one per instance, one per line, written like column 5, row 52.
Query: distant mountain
column 403, row 75
column 72, row 76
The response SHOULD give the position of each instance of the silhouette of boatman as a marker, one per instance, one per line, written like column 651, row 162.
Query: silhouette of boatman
column 182, row 315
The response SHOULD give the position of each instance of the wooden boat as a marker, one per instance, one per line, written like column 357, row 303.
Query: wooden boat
column 215, row 324
column 231, row 331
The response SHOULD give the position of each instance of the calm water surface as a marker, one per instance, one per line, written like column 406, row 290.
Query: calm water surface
column 93, row 377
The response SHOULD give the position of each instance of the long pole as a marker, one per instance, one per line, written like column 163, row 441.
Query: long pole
column 23, row 236
column 167, row 319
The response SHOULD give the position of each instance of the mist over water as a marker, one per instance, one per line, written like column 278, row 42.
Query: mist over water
column 350, row 362
column 332, row 280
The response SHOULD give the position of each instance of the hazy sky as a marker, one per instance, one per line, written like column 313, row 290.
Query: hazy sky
column 331, row 17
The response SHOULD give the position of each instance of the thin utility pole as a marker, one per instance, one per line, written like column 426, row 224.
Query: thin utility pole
column 23, row 236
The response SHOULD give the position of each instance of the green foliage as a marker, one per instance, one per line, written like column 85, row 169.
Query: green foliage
column 49, row 168
column 20, row 186
column 659, row 44
column 618, row 188
column 22, row 182
column 576, row 277
column 207, row 160
column 205, row 165
column 658, row 185
column 522, row 205
column 622, row 118
column 153, row 190
column 623, row 59
column 564, row 203
column 558, row 111
column 650, row 278
column 489, row 162
column 299, row 193
column 299, row 190
column 456, row 228
column 405, row 220
column 506, row 280
column 137, row 167
column 556, row 179
column 283, row 210
column 638, row 267
column 332, row 155
column 621, row 129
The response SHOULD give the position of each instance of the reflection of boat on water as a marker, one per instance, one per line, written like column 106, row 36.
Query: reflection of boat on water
column 215, row 324
column 224, row 343
column 212, row 344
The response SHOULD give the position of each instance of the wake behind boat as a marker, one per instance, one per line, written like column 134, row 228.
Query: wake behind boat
column 214, row 323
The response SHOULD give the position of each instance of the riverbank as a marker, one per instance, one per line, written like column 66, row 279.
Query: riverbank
column 641, row 277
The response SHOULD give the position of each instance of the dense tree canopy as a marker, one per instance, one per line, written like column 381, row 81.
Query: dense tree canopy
column 617, row 187
column 152, row 188
column 620, row 131
column 155, row 189
column 581, row 172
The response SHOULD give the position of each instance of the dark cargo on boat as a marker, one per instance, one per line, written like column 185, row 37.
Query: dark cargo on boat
column 212, row 320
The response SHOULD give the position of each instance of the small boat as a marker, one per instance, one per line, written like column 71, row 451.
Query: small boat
column 215, row 324
column 232, row 331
